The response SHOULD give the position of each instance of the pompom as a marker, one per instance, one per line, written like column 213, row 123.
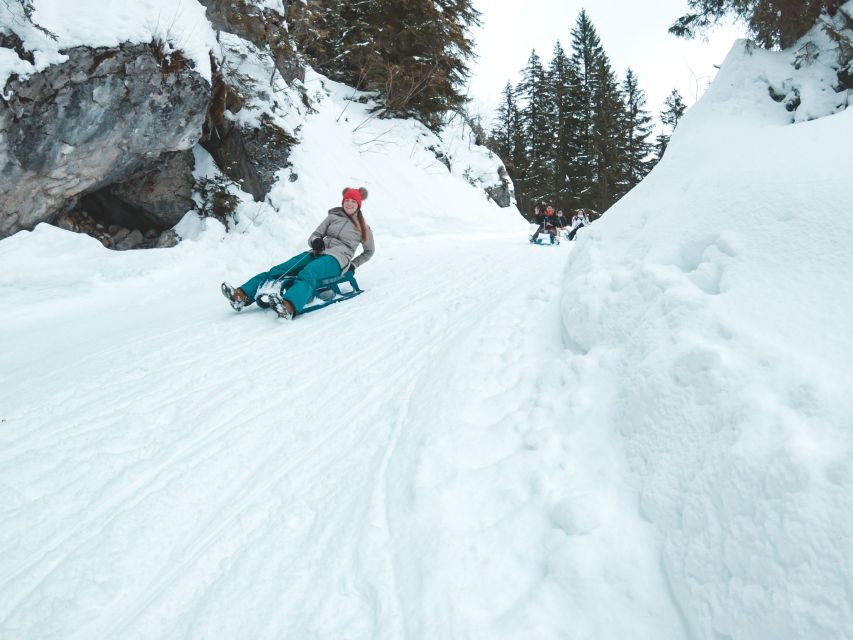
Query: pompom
column 361, row 190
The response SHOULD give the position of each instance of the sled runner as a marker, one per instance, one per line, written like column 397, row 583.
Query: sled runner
column 542, row 240
column 328, row 291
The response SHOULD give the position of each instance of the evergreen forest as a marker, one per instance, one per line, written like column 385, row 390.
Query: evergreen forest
column 575, row 135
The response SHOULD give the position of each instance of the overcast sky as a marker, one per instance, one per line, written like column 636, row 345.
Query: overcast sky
column 633, row 34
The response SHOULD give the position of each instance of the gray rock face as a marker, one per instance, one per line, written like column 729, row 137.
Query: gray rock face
column 501, row 193
column 156, row 198
column 95, row 120
column 252, row 157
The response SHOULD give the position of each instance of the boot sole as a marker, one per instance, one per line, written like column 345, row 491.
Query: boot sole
column 228, row 292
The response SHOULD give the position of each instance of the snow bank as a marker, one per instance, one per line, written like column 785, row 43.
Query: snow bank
column 716, row 299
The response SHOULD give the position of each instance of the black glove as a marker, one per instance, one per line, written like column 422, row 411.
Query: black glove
column 351, row 268
column 318, row 246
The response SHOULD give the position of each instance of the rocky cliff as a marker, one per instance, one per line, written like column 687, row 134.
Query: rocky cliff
column 102, row 141
column 101, row 133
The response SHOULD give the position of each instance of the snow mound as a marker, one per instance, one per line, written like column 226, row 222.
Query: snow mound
column 716, row 300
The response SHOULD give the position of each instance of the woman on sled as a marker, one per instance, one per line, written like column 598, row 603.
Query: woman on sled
column 333, row 245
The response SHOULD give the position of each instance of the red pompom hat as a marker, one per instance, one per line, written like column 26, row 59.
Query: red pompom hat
column 352, row 194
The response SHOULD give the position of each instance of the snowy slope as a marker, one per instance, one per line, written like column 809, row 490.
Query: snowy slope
column 644, row 434
column 171, row 469
column 385, row 468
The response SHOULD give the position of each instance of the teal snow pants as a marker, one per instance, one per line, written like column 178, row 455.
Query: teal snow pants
column 308, row 269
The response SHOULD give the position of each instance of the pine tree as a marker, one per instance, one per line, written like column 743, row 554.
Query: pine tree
column 637, row 127
column 414, row 53
column 503, row 134
column 607, row 139
column 773, row 23
column 535, row 123
column 669, row 118
column 336, row 36
column 421, row 50
column 586, row 54
column 519, row 160
column 561, row 78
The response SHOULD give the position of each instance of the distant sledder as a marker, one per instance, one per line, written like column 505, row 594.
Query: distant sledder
column 288, row 288
column 580, row 219
column 548, row 223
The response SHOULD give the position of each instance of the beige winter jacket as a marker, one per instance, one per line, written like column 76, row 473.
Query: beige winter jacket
column 342, row 238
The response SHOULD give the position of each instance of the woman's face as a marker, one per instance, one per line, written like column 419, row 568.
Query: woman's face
column 350, row 206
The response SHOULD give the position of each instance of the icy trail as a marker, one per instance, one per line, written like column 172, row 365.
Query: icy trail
column 385, row 468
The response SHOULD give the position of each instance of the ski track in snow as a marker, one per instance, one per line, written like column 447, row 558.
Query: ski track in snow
column 191, row 478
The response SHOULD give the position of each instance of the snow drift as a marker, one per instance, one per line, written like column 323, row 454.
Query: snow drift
column 715, row 298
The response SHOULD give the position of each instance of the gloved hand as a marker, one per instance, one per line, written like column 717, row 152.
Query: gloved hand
column 351, row 269
column 318, row 246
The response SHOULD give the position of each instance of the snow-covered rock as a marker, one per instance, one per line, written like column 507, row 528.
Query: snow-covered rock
column 93, row 120
column 110, row 113
column 250, row 129
column 262, row 23
column 465, row 155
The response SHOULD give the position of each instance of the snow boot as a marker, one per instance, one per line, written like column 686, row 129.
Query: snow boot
column 237, row 303
column 277, row 304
